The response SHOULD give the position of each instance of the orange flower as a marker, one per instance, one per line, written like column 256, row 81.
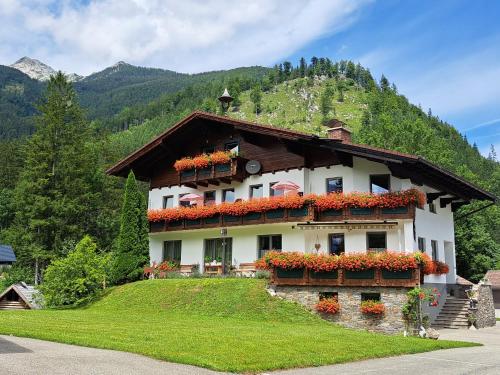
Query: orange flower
column 201, row 161
column 328, row 306
column 372, row 307
column 184, row 164
column 220, row 157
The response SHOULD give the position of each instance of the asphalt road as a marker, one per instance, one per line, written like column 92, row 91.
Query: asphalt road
column 22, row 356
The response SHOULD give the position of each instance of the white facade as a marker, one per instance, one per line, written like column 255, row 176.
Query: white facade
column 400, row 237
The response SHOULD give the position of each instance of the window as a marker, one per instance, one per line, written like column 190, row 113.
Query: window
column 181, row 203
column 380, row 183
column 334, row 185
column 323, row 295
column 421, row 244
column 172, row 251
column 256, row 191
column 228, row 195
column 432, row 208
column 376, row 241
column 267, row 243
column 370, row 297
column 274, row 193
column 337, row 244
column 209, row 198
column 215, row 247
column 434, row 249
column 168, row 201
column 232, row 146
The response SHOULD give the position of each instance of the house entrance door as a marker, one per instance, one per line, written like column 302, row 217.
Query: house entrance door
column 219, row 251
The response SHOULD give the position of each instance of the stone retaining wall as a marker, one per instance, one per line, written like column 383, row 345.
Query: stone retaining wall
column 350, row 301
column 485, row 313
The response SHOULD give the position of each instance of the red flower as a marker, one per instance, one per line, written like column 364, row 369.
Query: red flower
column 328, row 306
column 421, row 295
column 372, row 307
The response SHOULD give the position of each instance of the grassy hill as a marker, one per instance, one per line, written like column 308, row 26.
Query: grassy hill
column 223, row 324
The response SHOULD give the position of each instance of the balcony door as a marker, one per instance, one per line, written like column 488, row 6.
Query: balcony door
column 336, row 243
column 219, row 250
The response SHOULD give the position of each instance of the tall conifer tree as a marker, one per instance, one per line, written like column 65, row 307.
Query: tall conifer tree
column 132, row 248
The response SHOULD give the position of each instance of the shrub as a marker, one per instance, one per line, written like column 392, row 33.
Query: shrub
column 328, row 306
column 74, row 280
column 372, row 307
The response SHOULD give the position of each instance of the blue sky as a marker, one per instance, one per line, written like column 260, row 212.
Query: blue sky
column 441, row 54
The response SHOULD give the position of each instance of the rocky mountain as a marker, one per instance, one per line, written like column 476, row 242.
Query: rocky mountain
column 38, row 70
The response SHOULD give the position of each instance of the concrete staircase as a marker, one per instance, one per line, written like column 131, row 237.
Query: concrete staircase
column 11, row 305
column 453, row 314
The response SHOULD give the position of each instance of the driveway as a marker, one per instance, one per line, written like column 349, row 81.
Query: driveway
column 28, row 356
column 22, row 356
column 477, row 360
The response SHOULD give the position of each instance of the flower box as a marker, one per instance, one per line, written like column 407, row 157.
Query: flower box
column 176, row 223
column 359, row 211
column 360, row 275
column 330, row 213
column 191, row 223
column 298, row 212
column 231, row 218
column 276, row 214
column 157, row 226
column 334, row 274
column 294, row 273
column 222, row 168
column 188, row 173
column 205, row 172
column 397, row 275
column 252, row 216
column 212, row 220
column 395, row 210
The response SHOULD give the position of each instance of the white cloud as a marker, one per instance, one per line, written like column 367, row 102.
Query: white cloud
column 186, row 36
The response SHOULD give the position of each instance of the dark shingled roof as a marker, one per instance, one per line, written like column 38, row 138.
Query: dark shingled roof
column 7, row 254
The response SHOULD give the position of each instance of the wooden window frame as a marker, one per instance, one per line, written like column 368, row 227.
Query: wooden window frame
column 330, row 235
column 165, row 199
column 165, row 248
column 378, row 175
column 368, row 240
column 250, row 190
column 423, row 243
column 334, row 178
column 270, row 236
column 434, row 250
column 205, row 197
column 224, row 194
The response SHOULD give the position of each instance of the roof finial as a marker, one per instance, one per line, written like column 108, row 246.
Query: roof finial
column 225, row 99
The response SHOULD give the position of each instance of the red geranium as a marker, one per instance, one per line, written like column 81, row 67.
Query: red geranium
column 372, row 307
column 220, row 157
column 358, row 261
column 183, row 164
column 328, row 306
column 201, row 161
column 392, row 261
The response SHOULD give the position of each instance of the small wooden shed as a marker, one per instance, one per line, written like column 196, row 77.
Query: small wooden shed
column 20, row 297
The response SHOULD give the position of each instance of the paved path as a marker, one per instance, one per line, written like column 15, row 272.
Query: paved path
column 478, row 360
column 28, row 356
column 22, row 356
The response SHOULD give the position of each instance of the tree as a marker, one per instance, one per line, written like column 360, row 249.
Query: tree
column 384, row 83
column 132, row 247
column 77, row 278
column 256, row 98
column 56, row 196
column 326, row 101
column 341, row 87
column 302, row 67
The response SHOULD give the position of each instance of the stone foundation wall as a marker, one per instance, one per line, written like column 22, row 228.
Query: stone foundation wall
column 350, row 302
column 485, row 313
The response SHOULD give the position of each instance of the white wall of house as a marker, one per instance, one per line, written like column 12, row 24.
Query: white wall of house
column 431, row 226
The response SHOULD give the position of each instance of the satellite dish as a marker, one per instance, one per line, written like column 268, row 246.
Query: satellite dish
column 253, row 167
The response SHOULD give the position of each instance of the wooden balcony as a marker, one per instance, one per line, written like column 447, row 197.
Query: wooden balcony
column 361, row 214
column 218, row 221
column 367, row 278
column 214, row 174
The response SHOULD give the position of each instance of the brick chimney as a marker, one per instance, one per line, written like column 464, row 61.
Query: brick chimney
column 338, row 131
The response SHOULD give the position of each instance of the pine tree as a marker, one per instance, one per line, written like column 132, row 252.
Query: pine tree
column 132, row 248
column 256, row 98
column 326, row 101
column 302, row 67
column 384, row 83
column 54, row 197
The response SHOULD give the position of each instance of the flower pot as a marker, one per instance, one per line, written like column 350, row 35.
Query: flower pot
column 358, row 211
column 176, row 223
column 231, row 218
column 187, row 173
column 334, row 274
column 275, row 214
column 205, row 172
column 329, row 213
column 357, row 275
column 397, row 275
column 294, row 273
column 156, row 226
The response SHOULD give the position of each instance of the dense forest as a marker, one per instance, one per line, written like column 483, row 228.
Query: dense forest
column 43, row 221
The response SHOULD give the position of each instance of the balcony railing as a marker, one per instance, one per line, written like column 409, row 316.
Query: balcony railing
column 213, row 174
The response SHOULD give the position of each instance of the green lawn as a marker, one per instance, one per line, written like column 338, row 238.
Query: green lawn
column 231, row 325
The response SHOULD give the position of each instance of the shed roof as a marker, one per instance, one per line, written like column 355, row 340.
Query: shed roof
column 28, row 293
column 493, row 277
column 7, row 254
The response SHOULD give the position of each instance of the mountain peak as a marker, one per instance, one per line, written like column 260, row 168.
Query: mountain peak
column 33, row 68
